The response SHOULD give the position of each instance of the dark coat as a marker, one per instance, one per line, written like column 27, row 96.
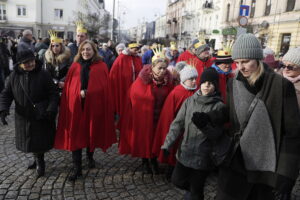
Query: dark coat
column 280, row 99
column 31, row 135
column 25, row 44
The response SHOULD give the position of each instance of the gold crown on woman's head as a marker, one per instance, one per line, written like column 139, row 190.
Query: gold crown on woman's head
column 173, row 46
column 158, row 53
column 80, row 27
column 54, row 38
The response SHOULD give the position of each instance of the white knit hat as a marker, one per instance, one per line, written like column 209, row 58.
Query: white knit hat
column 188, row 72
column 293, row 56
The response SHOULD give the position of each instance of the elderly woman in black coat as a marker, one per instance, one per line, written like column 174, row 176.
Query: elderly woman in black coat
column 36, row 101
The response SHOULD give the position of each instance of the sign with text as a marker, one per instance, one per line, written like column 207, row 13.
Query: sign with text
column 244, row 10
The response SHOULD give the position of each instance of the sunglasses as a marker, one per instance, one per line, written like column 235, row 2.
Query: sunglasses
column 55, row 45
column 288, row 67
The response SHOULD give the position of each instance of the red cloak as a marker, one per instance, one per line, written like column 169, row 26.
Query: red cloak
column 123, row 73
column 168, row 114
column 200, row 65
column 92, row 126
column 140, row 128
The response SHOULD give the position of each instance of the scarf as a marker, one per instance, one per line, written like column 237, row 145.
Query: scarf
column 219, row 70
column 85, row 72
column 293, row 80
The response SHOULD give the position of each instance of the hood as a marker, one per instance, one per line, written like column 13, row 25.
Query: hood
column 146, row 75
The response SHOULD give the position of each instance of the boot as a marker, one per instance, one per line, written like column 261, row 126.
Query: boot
column 145, row 166
column 90, row 159
column 154, row 166
column 77, row 168
column 40, row 164
column 31, row 165
column 169, row 173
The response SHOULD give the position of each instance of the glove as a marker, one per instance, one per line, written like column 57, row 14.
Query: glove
column 3, row 115
column 200, row 119
column 166, row 152
column 285, row 189
column 50, row 115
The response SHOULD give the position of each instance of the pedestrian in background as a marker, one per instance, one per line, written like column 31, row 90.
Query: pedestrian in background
column 26, row 42
column 194, row 162
column 57, row 60
column 120, row 47
column 264, row 119
column 108, row 55
column 81, row 35
column 36, row 101
column 85, row 115
column 147, row 96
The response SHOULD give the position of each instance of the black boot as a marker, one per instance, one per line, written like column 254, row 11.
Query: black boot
column 154, row 166
column 169, row 173
column 145, row 166
column 40, row 164
column 31, row 165
column 90, row 159
column 77, row 168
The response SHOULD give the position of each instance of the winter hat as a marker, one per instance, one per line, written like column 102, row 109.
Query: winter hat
column 267, row 51
column 24, row 56
column 211, row 75
column 293, row 56
column 188, row 72
column 271, row 62
column 180, row 65
column 247, row 46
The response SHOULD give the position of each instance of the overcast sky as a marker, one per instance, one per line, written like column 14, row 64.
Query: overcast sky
column 134, row 12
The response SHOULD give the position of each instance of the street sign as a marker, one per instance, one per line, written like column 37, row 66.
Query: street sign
column 243, row 21
column 244, row 10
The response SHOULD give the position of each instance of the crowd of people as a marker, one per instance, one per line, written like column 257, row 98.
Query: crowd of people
column 236, row 110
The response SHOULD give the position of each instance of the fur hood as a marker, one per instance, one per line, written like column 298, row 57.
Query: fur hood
column 146, row 75
column 126, row 52
column 61, row 58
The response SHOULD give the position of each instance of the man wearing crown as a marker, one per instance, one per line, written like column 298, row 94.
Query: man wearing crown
column 123, row 73
column 81, row 35
column 172, row 54
column 197, row 55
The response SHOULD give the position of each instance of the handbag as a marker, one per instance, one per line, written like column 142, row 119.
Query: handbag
column 39, row 109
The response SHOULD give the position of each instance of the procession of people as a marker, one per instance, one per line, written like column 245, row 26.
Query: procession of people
column 193, row 111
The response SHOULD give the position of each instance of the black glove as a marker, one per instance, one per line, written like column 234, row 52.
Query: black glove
column 50, row 115
column 166, row 152
column 200, row 119
column 3, row 115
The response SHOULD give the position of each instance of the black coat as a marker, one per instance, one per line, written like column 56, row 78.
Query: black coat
column 32, row 135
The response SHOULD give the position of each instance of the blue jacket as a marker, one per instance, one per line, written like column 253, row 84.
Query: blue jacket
column 146, row 59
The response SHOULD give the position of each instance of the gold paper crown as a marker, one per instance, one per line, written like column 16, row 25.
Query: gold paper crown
column 227, row 48
column 80, row 28
column 158, row 53
column 54, row 38
column 173, row 46
column 192, row 62
column 201, row 41
column 134, row 45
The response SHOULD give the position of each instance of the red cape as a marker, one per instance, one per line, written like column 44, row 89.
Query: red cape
column 168, row 114
column 190, row 58
column 121, row 77
column 137, row 128
column 92, row 126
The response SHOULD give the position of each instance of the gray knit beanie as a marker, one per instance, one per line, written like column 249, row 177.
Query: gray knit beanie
column 180, row 65
column 247, row 46
column 293, row 56
column 188, row 72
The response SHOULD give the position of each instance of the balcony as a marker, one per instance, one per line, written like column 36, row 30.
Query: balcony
column 208, row 7
column 187, row 15
column 175, row 35
column 169, row 22
column 174, row 20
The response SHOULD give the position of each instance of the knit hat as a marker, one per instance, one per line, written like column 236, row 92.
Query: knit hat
column 211, row 75
column 188, row 72
column 247, row 46
column 267, row 51
column 271, row 62
column 180, row 65
column 293, row 56
column 24, row 56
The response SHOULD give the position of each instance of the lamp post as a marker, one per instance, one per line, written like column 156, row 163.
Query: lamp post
column 112, row 21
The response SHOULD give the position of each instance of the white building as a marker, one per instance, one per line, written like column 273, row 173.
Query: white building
column 42, row 15
column 160, row 27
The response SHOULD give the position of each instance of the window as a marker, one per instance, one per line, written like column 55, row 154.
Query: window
column 58, row 13
column 21, row 11
column 228, row 11
column 268, row 7
column 252, row 12
column 285, row 42
column 2, row 12
column 290, row 5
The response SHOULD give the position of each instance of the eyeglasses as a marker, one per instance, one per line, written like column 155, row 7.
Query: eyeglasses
column 55, row 45
column 288, row 67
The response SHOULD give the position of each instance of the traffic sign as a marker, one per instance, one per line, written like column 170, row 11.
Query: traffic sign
column 244, row 10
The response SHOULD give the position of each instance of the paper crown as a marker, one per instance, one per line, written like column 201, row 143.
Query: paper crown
column 134, row 45
column 54, row 38
column 80, row 28
column 201, row 41
column 192, row 62
column 227, row 48
column 158, row 53
column 173, row 46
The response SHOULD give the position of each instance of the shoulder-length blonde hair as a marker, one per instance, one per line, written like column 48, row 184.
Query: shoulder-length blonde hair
column 257, row 74
column 49, row 55
column 96, row 57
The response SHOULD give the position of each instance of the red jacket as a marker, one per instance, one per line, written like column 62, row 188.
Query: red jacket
column 190, row 58
column 168, row 114
column 92, row 126
column 137, row 127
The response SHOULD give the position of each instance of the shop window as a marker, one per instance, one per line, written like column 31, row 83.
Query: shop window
column 252, row 12
column 290, row 5
column 285, row 42
column 268, row 7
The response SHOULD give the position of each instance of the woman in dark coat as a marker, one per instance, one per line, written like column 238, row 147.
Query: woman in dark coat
column 266, row 156
column 36, row 100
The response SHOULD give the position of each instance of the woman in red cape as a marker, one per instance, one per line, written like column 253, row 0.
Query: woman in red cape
column 147, row 96
column 86, row 114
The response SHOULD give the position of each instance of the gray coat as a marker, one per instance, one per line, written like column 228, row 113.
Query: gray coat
column 25, row 44
column 197, row 145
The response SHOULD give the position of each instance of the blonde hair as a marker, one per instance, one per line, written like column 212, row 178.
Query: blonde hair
column 96, row 57
column 50, row 57
column 160, row 60
column 257, row 74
